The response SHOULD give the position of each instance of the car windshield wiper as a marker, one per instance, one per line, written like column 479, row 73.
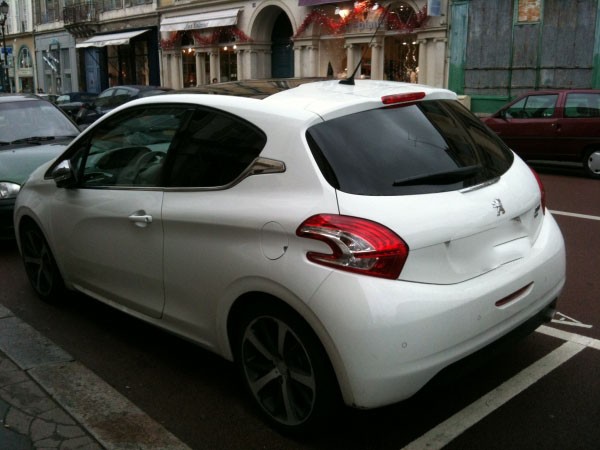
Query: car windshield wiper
column 448, row 177
column 33, row 140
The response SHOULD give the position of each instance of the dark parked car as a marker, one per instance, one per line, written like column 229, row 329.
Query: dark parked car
column 72, row 102
column 50, row 97
column 553, row 125
column 32, row 132
column 248, row 88
column 112, row 97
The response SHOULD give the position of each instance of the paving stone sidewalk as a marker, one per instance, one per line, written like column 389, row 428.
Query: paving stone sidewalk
column 30, row 419
column 50, row 401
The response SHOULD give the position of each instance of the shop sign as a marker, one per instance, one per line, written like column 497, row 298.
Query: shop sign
column 25, row 73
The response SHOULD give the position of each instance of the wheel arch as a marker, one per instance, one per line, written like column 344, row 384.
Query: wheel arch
column 593, row 148
column 253, row 299
column 28, row 219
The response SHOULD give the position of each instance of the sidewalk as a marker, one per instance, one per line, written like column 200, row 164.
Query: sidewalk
column 50, row 401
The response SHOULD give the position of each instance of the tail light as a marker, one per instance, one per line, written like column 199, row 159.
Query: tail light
column 358, row 245
column 542, row 191
column 402, row 98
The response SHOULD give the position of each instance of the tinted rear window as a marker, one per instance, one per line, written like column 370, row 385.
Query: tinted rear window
column 431, row 146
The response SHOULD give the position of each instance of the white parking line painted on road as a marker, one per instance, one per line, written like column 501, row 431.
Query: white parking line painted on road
column 579, row 216
column 445, row 432
column 571, row 337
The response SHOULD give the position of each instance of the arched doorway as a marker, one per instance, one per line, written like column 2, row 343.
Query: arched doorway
column 282, row 52
column 272, row 32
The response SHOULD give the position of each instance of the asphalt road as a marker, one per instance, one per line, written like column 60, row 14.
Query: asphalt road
column 541, row 393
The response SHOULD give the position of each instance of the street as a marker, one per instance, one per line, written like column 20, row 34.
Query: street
column 541, row 393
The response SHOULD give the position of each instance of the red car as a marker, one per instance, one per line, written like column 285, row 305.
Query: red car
column 553, row 125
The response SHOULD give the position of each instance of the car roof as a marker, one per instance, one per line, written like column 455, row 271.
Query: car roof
column 332, row 98
column 558, row 91
column 325, row 99
column 8, row 97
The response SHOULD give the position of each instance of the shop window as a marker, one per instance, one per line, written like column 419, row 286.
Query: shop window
column 228, row 62
column 188, row 61
column 141, row 62
column 24, row 61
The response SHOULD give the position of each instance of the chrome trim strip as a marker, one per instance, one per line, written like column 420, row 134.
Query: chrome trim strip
column 480, row 186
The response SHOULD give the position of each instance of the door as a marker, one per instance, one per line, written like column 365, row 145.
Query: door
column 528, row 126
column 282, row 52
column 209, row 220
column 111, row 223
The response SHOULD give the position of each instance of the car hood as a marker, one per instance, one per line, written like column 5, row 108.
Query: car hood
column 16, row 164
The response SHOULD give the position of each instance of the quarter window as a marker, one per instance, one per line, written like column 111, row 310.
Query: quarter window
column 582, row 105
column 215, row 150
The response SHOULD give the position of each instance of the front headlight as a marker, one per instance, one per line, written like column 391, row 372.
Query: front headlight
column 9, row 190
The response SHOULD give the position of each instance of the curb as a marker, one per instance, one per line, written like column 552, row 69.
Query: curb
column 110, row 418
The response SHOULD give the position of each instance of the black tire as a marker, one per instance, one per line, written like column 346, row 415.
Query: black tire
column 40, row 266
column 285, row 369
column 591, row 163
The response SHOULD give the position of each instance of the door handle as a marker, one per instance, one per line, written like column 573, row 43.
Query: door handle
column 140, row 218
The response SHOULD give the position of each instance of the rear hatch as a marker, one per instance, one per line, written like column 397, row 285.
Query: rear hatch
column 435, row 175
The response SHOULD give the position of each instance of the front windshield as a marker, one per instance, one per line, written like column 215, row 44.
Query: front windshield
column 35, row 119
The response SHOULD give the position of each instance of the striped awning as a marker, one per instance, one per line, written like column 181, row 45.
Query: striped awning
column 102, row 40
column 212, row 19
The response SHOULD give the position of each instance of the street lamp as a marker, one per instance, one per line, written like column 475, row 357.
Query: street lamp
column 3, row 16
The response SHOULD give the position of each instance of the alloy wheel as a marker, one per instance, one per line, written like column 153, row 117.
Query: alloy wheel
column 278, row 370
column 39, row 263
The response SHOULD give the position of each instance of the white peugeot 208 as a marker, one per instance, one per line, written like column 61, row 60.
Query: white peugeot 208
column 338, row 242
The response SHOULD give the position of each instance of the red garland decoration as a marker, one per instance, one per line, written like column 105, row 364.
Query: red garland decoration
column 415, row 21
column 221, row 34
column 170, row 42
column 319, row 17
column 338, row 25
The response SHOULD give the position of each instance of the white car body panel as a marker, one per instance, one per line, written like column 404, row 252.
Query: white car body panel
column 206, row 248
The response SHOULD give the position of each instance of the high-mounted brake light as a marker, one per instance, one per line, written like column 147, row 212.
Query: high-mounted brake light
column 542, row 191
column 358, row 245
column 402, row 98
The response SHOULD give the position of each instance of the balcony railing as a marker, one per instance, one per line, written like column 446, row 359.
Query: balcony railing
column 80, row 13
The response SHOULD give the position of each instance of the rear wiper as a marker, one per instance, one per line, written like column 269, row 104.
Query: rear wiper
column 33, row 140
column 448, row 177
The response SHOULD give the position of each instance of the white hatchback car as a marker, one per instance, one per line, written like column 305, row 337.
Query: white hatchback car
column 335, row 241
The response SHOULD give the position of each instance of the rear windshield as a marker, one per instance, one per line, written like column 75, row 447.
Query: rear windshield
column 431, row 146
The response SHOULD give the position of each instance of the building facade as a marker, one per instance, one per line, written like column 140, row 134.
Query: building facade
column 204, row 42
column 18, row 56
column 67, row 45
column 535, row 44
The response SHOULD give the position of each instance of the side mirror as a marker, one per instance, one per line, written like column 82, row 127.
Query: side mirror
column 63, row 175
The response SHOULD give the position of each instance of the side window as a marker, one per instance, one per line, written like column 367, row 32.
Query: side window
column 216, row 149
column 534, row 106
column 129, row 150
column 582, row 105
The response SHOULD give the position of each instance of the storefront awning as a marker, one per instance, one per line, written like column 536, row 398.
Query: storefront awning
column 102, row 40
column 199, row 21
column 314, row 2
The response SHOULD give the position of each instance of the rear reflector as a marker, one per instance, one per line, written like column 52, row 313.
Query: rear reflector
column 514, row 296
column 402, row 98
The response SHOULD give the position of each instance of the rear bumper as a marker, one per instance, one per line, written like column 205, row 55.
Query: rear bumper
column 387, row 339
